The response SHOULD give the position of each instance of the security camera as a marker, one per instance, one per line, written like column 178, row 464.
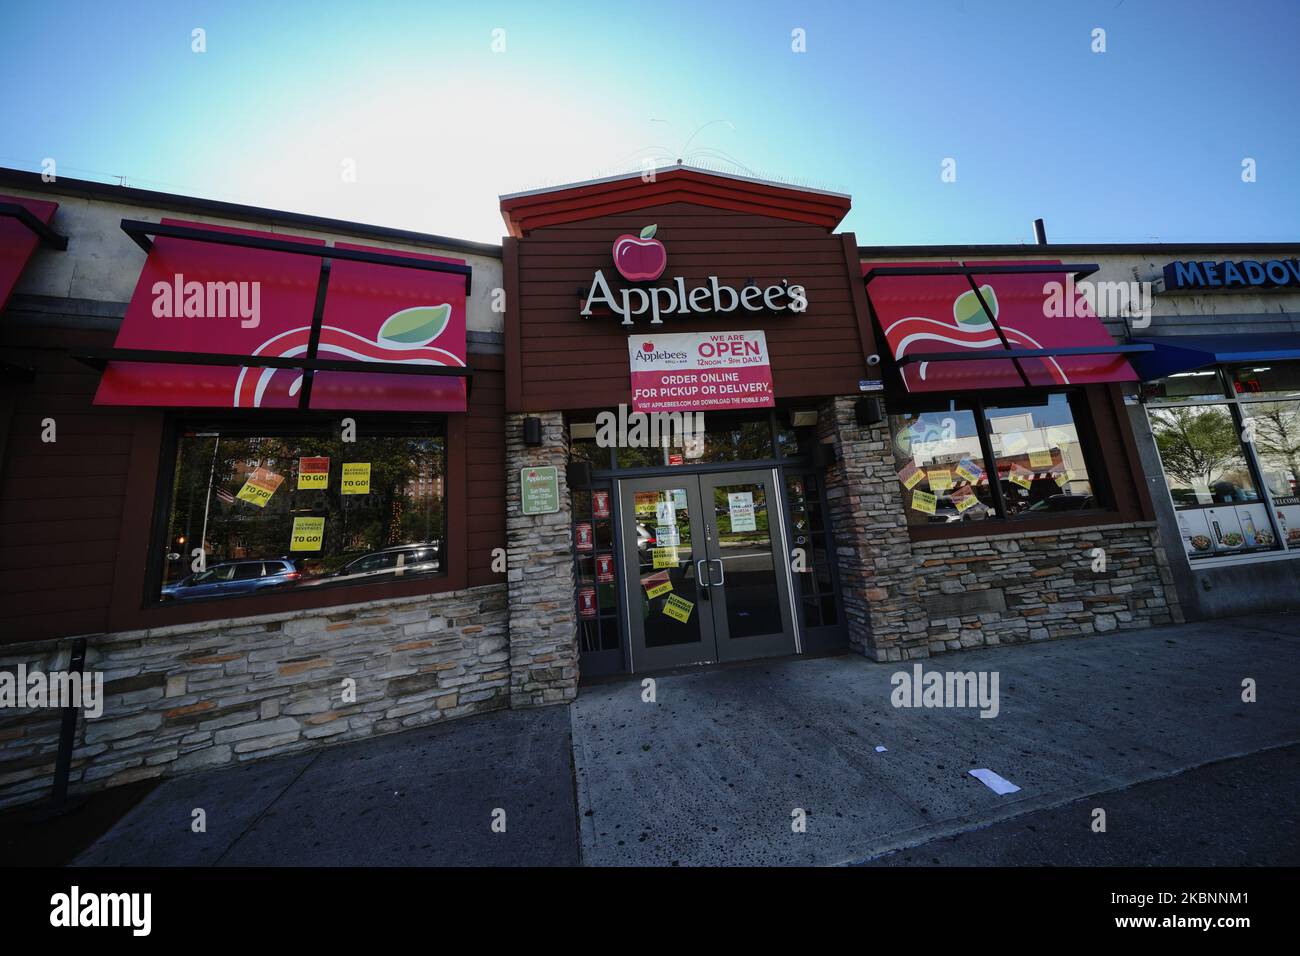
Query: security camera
column 873, row 359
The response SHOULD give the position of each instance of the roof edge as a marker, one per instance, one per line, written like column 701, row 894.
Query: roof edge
column 675, row 167
column 1073, row 248
column 86, row 188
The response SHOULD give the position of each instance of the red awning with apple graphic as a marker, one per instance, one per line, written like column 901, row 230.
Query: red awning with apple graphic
column 305, row 319
column 933, row 313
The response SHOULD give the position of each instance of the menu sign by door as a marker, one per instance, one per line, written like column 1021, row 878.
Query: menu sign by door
column 539, row 490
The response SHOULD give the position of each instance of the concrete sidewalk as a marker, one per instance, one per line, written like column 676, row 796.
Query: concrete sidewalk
column 423, row 797
column 712, row 772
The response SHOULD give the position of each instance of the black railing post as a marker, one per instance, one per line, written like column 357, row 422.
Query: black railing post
column 68, row 730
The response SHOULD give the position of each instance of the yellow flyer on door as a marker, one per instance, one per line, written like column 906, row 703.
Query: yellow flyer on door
column 655, row 590
column 940, row 479
column 1021, row 476
column 678, row 609
column 665, row 557
column 308, row 534
column 923, row 501
column 260, row 487
column 356, row 478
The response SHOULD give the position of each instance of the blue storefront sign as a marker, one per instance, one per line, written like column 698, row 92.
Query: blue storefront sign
column 1244, row 274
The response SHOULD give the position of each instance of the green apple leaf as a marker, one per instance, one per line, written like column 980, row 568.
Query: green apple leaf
column 649, row 231
column 966, row 309
column 416, row 326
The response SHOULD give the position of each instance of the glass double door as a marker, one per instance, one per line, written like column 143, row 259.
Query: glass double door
column 707, row 577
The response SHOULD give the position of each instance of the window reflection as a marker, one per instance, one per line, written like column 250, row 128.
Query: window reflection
column 1040, row 462
column 301, row 509
column 940, row 466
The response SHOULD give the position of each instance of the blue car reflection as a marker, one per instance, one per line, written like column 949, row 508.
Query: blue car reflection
column 233, row 577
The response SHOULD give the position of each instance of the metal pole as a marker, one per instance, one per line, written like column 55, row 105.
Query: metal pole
column 1040, row 232
column 68, row 730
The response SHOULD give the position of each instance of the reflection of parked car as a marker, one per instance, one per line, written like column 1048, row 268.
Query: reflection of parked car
column 232, row 577
column 1062, row 503
column 645, row 540
column 388, row 562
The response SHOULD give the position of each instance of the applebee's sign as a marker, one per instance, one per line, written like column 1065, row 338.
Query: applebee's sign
column 643, row 259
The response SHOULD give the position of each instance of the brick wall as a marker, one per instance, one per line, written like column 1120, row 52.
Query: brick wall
column 187, row 697
column 907, row 599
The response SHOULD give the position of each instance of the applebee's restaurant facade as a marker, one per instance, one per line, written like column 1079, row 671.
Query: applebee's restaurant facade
column 310, row 481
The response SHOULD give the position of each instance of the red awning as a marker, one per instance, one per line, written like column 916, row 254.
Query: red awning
column 201, row 298
column 18, row 239
column 948, row 309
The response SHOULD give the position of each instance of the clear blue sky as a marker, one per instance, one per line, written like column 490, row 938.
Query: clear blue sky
column 1144, row 141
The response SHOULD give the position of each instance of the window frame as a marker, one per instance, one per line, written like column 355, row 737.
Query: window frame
column 1108, row 509
column 257, row 424
column 1234, row 401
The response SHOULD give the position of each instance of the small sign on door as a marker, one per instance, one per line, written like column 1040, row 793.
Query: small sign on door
column 741, row 506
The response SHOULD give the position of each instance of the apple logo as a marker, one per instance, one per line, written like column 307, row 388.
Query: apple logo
column 647, row 346
column 640, row 257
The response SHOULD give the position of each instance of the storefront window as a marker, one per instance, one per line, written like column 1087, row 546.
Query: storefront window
column 808, row 535
column 273, row 510
column 1204, row 384
column 1040, row 461
column 1274, row 429
column 598, row 589
column 1272, row 381
column 944, row 472
column 941, row 466
column 1205, row 465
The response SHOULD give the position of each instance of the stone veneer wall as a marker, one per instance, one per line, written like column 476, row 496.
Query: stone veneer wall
column 539, row 551
column 192, row 696
column 907, row 599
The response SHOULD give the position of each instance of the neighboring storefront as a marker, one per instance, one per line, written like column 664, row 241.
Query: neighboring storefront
column 1222, row 412
column 297, row 480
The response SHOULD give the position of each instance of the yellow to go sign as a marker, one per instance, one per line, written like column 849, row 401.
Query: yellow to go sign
column 356, row 478
column 308, row 534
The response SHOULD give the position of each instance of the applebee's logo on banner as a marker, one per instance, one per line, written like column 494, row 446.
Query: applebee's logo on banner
column 970, row 328
column 643, row 258
column 404, row 337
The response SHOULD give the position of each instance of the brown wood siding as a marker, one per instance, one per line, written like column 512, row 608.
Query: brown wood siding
column 76, row 516
column 563, row 361
column 61, row 503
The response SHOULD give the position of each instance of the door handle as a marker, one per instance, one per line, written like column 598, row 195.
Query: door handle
column 722, row 572
column 702, row 579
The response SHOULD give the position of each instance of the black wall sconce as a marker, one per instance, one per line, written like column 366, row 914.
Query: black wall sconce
column 532, row 431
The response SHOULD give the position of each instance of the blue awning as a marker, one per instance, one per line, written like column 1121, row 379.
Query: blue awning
column 1182, row 353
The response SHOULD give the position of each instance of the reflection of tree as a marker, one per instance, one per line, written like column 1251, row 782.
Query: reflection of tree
column 1195, row 442
column 1276, row 428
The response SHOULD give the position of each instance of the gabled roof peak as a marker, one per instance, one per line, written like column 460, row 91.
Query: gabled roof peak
column 574, row 202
